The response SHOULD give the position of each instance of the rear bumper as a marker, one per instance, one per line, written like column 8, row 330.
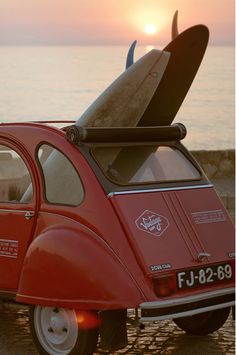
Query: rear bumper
column 187, row 306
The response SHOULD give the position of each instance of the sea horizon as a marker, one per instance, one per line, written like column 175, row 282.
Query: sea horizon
column 57, row 82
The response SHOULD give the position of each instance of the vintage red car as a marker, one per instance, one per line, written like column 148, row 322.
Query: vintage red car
column 95, row 221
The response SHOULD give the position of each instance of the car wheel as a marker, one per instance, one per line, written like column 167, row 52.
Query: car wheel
column 58, row 331
column 204, row 323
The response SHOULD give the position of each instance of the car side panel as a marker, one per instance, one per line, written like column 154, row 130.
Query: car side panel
column 70, row 268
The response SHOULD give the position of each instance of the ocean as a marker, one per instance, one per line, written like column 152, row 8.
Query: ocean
column 60, row 82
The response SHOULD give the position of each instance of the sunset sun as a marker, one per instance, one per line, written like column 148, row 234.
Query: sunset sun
column 150, row 28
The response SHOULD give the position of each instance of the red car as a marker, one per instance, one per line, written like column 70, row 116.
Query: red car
column 97, row 221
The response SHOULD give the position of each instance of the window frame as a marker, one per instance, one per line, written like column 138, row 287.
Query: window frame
column 22, row 154
column 39, row 145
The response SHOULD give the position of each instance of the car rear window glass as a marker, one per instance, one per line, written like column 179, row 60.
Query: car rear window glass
column 15, row 179
column 62, row 182
column 144, row 164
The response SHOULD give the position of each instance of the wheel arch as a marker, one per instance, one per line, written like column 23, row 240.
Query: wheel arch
column 72, row 268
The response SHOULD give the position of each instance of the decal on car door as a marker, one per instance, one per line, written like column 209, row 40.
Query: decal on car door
column 209, row 216
column 9, row 248
column 152, row 223
column 160, row 267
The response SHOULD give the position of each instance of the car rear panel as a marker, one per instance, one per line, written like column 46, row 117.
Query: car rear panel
column 176, row 229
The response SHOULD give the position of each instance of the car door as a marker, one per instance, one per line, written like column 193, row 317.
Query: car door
column 17, row 217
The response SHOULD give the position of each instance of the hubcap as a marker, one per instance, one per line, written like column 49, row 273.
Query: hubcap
column 58, row 324
column 56, row 329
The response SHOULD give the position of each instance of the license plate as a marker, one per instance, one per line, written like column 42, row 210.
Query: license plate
column 204, row 276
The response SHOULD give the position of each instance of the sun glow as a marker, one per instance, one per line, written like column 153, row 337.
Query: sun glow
column 150, row 28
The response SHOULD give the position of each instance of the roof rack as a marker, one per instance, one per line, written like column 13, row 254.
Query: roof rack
column 76, row 134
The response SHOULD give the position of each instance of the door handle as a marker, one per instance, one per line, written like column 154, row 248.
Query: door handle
column 29, row 215
column 202, row 256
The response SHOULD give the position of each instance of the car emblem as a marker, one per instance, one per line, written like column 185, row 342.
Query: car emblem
column 152, row 223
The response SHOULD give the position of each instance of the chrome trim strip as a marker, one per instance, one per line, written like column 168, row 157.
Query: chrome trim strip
column 184, row 300
column 161, row 189
column 188, row 313
column 14, row 211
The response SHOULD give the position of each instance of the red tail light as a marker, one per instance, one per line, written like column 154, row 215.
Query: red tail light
column 87, row 320
column 164, row 285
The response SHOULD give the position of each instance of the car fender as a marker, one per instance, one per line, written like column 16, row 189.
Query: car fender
column 67, row 267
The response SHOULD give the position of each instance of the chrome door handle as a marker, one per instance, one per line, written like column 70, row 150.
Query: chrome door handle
column 202, row 256
column 29, row 215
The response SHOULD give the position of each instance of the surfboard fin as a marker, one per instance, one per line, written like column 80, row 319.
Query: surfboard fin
column 130, row 55
column 175, row 31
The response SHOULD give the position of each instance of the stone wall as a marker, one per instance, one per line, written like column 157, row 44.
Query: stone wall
column 216, row 163
column 219, row 166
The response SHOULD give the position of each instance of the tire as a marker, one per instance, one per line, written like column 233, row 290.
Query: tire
column 55, row 331
column 203, row 323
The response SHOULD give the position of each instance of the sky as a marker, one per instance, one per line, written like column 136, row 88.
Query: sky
column 90, row 22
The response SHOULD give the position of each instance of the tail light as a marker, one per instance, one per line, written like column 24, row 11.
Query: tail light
column 87, row 319
column 164, row 284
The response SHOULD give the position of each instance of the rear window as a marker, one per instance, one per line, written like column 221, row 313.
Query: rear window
column 144, row 164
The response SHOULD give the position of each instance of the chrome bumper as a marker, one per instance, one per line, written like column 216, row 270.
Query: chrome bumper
column 187, row 306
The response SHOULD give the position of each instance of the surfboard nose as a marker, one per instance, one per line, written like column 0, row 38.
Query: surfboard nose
column 187, row 51
column 151, row 91
column 125, row 100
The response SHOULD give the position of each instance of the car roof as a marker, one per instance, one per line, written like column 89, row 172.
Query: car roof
column 54, row 123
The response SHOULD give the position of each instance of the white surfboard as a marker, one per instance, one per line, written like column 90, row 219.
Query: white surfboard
column 123, row 103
